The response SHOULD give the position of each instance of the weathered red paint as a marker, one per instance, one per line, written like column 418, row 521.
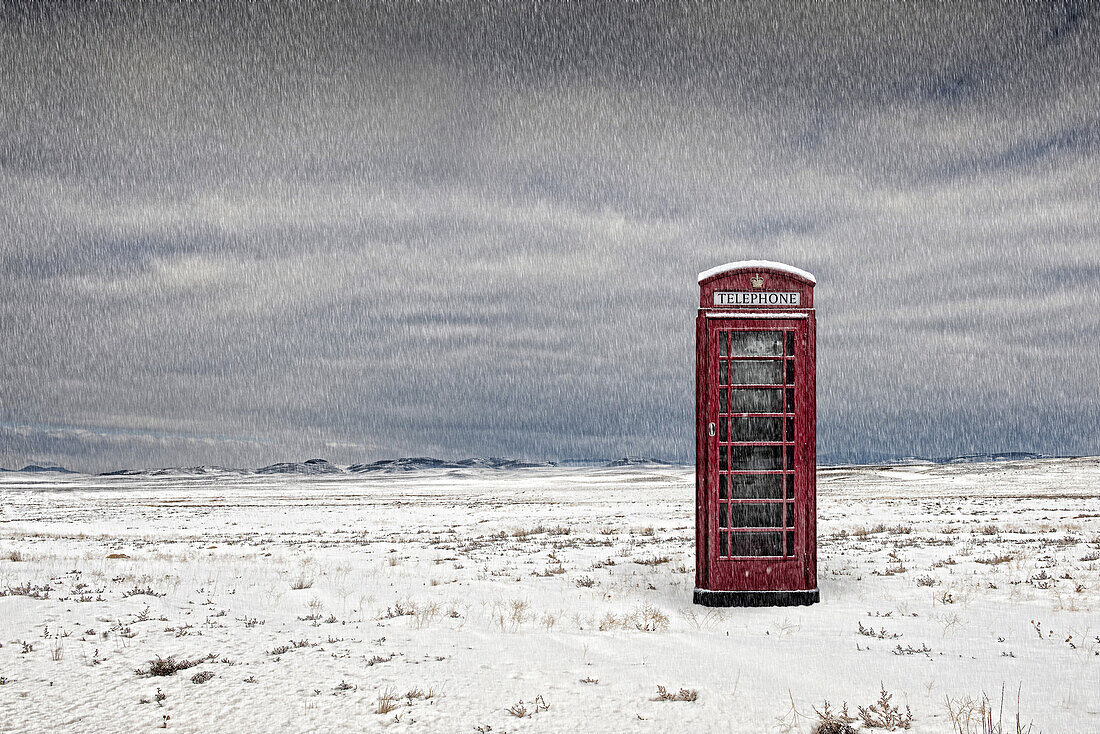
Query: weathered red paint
column 789, row 577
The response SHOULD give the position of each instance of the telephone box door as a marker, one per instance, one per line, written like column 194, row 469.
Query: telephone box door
column 758, row 400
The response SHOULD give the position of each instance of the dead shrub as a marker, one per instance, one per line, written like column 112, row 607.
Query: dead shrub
column 834, row 722
column 147, row 591
column 28, row 589
column 159, row 666
column 520, row 612
column 882, row 715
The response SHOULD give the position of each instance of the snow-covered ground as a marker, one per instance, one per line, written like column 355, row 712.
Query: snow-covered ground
column 453, row 600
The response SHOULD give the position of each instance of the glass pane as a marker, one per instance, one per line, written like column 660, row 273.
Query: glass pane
column 756, row 343
column 756, row 544
column 723, row 462
column 790, row 456
column 724, row 400
column 723, row 372
column 790, row 371
column 722, row 480
column 790, row 544
column 722, row 544
column 790, row 400
column 749, row 458
column 761, row 400
column 790, row 514
column 723, row 430
column 757, row 372
column 790, row 429
column 790, row 342
column 723, row 349
column 756, row 515
column 756, row 429
column 756, row 486
column 790, row 486
column 722, row 523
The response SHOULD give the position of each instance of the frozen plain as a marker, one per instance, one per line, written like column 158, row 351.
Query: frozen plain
column 450, row 601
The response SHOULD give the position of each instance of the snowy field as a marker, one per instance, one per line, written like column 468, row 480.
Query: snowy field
column 550, row 600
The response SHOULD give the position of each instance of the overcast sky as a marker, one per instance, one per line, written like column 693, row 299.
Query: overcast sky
column 239, row 235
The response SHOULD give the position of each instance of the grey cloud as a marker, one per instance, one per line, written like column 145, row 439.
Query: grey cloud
column 363, row 231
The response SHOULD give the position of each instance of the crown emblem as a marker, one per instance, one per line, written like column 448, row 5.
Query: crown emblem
column 757, row 281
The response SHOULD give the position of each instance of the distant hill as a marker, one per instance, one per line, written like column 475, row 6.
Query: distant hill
column 36, row 468
column 856, row 460
column 611, row 461
column 492, row 463
column 324, row 466
column 977, row 458
column 637, row 461
column 174, row 470
column 312, row 466
column 418, row 463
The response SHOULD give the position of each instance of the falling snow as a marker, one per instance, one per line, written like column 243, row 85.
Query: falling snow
column 312, row 238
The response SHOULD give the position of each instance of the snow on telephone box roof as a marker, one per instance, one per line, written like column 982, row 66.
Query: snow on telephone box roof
column 757, row 265
column 756, row 283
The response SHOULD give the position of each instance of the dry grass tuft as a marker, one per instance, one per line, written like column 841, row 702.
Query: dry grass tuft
column 387, row 701
column 520, row 709
column 881, row 528
column 524, row 533
column 301, row 582
column 975, row 716
column 684, row 694
column 996, row 560
column 650, row 619
column 646, row 618
column 654, row 561
column 424, row 614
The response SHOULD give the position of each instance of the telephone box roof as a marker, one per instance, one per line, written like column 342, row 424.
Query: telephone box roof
column 757, row 265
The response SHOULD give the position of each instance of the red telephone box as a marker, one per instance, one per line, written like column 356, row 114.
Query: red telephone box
column 755, row 398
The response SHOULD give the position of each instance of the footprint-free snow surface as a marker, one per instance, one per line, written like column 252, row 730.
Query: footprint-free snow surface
column 541, row 599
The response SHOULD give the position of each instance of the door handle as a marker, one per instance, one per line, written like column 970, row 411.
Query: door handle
column 710, row 429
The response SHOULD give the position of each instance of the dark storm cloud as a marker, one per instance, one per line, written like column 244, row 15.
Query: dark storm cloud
column 245, row 233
